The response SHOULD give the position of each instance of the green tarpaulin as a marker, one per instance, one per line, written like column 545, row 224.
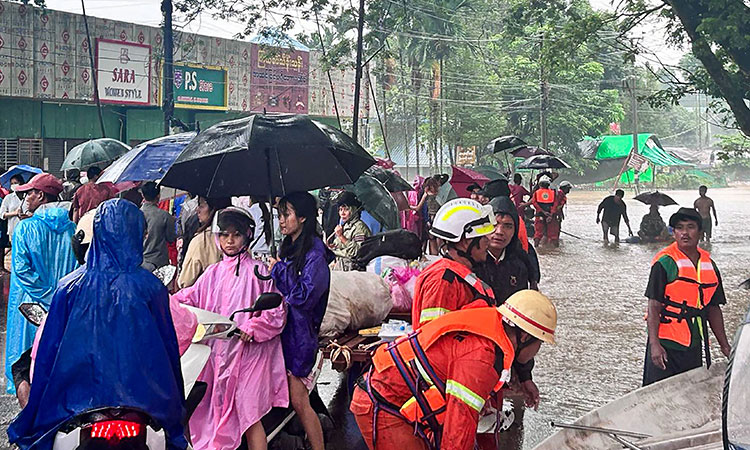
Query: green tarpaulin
column 619, row 146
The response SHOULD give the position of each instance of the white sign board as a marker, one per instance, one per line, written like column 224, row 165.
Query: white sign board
column 124, row 72
column 638, row 162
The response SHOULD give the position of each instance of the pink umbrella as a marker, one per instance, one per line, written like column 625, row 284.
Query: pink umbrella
column 463, row 177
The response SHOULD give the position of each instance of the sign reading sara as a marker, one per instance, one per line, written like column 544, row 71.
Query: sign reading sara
column 200, row 87
column 123, row 72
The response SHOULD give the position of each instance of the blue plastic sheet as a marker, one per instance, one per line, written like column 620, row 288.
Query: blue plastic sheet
column 41, row 256
column 108, row 340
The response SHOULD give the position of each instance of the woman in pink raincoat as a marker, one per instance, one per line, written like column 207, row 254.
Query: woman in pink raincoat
column 246, row 376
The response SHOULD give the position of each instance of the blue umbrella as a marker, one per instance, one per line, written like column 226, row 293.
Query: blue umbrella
column 22, row 169
column 148, row 161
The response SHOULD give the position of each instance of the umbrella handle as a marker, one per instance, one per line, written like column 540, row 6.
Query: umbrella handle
column 261, row 276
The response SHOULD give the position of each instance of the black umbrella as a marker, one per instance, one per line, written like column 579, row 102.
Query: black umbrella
column 267, row 155
column 543, row 162
column 655, row 198
column 392, row 180
column 527, row 151
column 504, row 143
column 376, row 200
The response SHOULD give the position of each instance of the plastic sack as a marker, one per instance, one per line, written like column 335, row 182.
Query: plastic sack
column 357, row 300
column 381, row 264
column 402, row 281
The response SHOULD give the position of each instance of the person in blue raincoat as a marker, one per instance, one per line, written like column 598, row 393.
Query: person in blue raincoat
column 108, row 340
column 41, row 255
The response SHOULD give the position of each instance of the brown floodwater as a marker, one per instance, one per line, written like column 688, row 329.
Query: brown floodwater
column 598, row 291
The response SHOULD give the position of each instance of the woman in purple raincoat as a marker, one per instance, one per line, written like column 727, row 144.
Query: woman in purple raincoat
column 245, row 376
column 303, row 278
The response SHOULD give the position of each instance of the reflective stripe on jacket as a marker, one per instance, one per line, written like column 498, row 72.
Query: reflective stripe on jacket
column 410, row 361
column 446, row 286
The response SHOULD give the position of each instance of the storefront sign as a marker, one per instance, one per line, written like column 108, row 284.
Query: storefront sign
column 279, row 81
column 200, row 87
column 123, row 72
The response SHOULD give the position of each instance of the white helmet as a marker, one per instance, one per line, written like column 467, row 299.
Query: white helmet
column 463, row 218
column 567, row 184
column 545, row 179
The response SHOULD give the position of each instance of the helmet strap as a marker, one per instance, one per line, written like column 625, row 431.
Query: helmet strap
column 467, row 253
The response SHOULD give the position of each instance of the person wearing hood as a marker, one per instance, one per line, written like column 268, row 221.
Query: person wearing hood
column 350, row 233
column 245, row 376
column 509, row 268
column 122, row 336
column 41, row 256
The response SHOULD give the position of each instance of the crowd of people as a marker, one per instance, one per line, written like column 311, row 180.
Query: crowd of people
column 86, row 252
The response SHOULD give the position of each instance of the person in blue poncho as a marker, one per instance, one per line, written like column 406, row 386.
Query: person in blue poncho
column 122, row 350
column 41, row 256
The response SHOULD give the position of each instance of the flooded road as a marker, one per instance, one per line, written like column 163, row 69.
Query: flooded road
column 598, row 291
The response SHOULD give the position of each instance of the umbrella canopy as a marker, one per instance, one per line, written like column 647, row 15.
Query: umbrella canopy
column 543, row 162
column 390, row 178
column 93, row 152
column 504, row 143
column 463, row 177
column 490, row 172
column 527, row 151
column 21, row 169
column 655, row 198
column 148, row 161
column 376, row 200
column 267, row 155
column 446, row 193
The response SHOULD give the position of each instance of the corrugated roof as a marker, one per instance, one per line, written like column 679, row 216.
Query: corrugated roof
column 619, row 146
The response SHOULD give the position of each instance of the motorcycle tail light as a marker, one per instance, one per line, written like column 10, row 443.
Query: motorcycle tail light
column 115, row 430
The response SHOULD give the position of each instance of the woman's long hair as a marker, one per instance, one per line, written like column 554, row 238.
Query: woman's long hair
column 215, row 204
column 304, row 205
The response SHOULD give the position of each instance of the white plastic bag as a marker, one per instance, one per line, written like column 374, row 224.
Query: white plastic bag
column 357, row 300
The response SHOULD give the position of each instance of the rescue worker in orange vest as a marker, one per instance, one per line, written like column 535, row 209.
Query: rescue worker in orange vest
column 449, row 284
column 684, row 292
column 546, row 223
column 426, row 390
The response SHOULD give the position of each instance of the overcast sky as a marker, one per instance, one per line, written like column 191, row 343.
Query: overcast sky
column 147, row 12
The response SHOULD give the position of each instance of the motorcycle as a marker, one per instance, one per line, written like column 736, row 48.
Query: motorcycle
column 125, row 428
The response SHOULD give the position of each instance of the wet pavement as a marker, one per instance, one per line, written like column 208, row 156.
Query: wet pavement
column 598, row 290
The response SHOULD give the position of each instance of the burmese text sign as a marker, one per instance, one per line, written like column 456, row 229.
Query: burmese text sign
column 279, row 79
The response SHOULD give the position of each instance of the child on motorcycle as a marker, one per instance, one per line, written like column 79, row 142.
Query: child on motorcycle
column 303, row 277
column 245, row 376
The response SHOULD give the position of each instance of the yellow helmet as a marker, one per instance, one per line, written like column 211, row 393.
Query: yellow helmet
column 533, row 312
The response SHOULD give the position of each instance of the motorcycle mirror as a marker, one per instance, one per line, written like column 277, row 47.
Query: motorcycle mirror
column 33, row 312
column 265, row 301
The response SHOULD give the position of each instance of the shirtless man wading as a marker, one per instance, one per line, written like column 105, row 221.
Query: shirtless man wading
column 704, row 205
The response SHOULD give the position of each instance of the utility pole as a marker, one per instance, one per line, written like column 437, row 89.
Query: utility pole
column 94, row 72
column 634, row 103
column 699, row 125
column 358, row 74
column 544, row 99
column 168, row 69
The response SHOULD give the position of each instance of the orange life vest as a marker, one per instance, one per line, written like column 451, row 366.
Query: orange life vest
column 426, row 407
column 545, row 197
column 687, row 295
